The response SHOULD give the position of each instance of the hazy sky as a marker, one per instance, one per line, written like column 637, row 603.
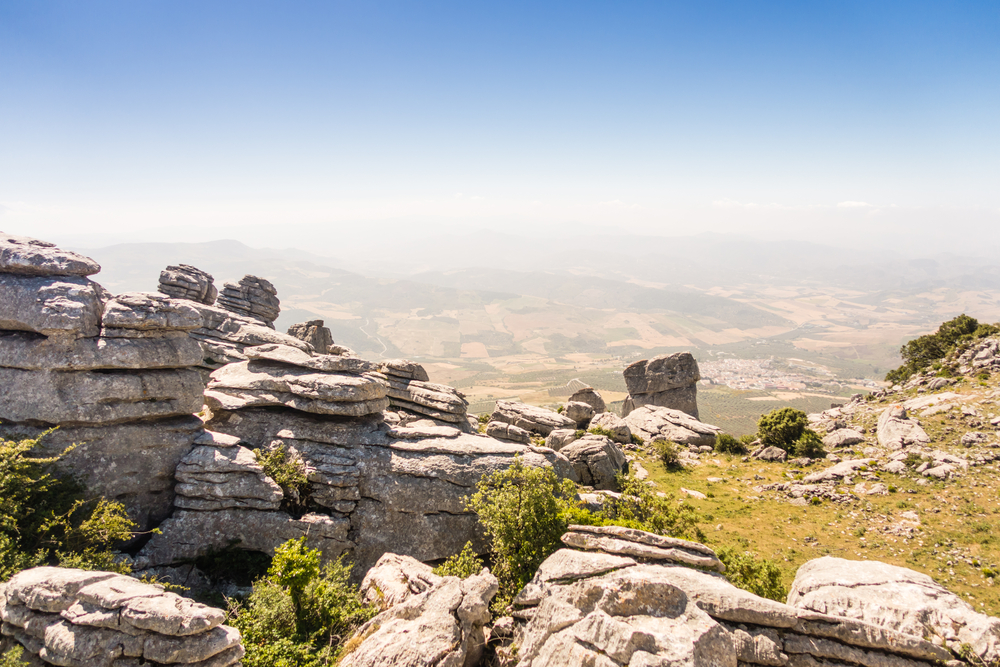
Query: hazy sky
column 171, row 118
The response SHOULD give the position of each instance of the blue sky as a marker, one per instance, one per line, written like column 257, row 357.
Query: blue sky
column 152, row 117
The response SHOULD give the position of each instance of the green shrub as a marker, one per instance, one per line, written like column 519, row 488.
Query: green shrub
column 760, row 576
column 462, row 565
column 521, row 511
column 727, row 444
column 484, row 419
column 747, row 439
column 782, row 427
column 922, row 352
column 636, row 440
column 300, row 613
column 809, row 445
column 560, row 409
column 287, row 471
column 638, row 506
column 13, row 657
column 668, row 454
column 600, row 430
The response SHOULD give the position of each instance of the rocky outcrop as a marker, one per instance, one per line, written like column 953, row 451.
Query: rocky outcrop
column 579, row 412
column 505, row 431
column 115, row 373
column 657, row 423
column 78, row 618
column 897, row 430
column 224, row 335
column 556, row 440
column 591, row 397
column 629, row 599
column 395, row 579
column 443, row 625
column 314, row 333
column 219, row 474
column 251, row 297
column 408, row 389
column 597, row 460
column 187, row 282
column 669, row 381
column 895, row 598
column 530, row 418
column 611, row 423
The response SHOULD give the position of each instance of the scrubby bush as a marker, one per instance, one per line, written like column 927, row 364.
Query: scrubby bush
column 522, row 512
column 668, row 453
column 463, row 564
column 782, row 427
column 809, row 445
column 727, row 444
column 638, row 506
column 287, row 471
column 760, row 576
column 13, row 657
column 747, row 439
column 299, row 614
column 600, row 430
column 923, row 352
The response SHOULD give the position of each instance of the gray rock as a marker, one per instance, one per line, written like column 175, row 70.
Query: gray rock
column 437, row 401
column 669, row 381
column 591, row 397
column 33, row 352
column 838, row 471
column 771, row 453
column 509, row 432
column 224, row 335
column 314, row 333
column 556, row 440
column 844, row 437
column 894, row 598
column 642, row 546
column 597, row 460
column 581, row 413
column 395, row 579
column 90, row 397
column 612, row 423
column 252, row 297
column 27, row 256
column 404, row 369
column 659, row 423
column 939, row 383
column 444, row 625
column 147, row 311
column 214, row 478
column 68, row 306
column 326, row 363
column 896, row 430
column 530, row 417
column 187, row 282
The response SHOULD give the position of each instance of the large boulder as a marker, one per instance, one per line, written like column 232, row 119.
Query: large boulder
column 897, row 430
column 669, row 381
column 314, row 333
column 579, row 412
column 658, row 423
column 597, row 460
column 187, row 282
column 896, row 598
column 24, row 255
column 530, row 417
column 61, row 306
column 617, row 427
column 591, row 397
column 101, row 619
column 395, row 579
column 251, row 297
column 226, row 476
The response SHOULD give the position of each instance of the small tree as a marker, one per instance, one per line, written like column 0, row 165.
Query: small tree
column 727, row 444
column 760, row 576
column 810, row 445
column 923, row 351
column 782, row 427
column 462, row 565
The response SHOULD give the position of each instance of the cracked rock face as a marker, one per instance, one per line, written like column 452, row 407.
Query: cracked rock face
column 187, row 282
column 597, row 460
column 251, row 297
column 896, row 430
column 591, row 397
column 658, row 423
column 27, row 256
column 100, row 619
column 530, row 418
column 669, row 381
column 53, row 306
column 314, row 333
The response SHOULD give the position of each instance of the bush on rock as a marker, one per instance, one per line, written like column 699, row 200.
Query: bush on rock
column 760, row 576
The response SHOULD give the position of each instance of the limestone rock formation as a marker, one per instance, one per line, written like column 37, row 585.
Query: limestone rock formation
column 395, row 579
column 896, row 430
column 657, row 423
column 895, row 598
column 444, row 625
column 224, row 335
column 842, row 437
column 115, row 373
column 596, row 460
column 579, row 412
column 591, row 397
column 214, row 477
column 314, row 333
column 530, row 418
column 77, row 618
column 557, row 439
column 409, row 389
column 251, row 297
column 615, row 425
column 187, row 282
column 628, row 600
column 669, row 381
column 505, row 431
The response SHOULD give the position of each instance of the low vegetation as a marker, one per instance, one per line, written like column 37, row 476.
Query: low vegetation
column 922, row 353
column 462, row 565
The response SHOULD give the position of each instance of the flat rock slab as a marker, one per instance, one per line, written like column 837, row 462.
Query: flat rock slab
column 68, row 306
column 659, row 423
column 611, row 544
column 35, row 353
column 843, row 437
column 265, row 376
column 326, row 363
column 149, row 311
column 509, row 432
column 404, row 369
column 530, row 417
column 839, row 471
column 28, row 256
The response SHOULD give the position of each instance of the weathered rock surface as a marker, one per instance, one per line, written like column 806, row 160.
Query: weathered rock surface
column 68, row 306
column 612, row 423
column 252, row 297
column 148, row 313
column 844, row 437
column 404, row 369
column 591, row 397
column 669, row 381
column 770, row 453
column 433, row 400
column 896, row 598
column 211, row 477
column 530, row 417
column 581, row 413
column 505, row 431
column 444, row 625
column 78, row 618
column 33, row 352
column 556, row 440
column 838, row 471
column 27, row 256
column 395, row 579
column 224, row 336
column 896, row 430
column 597, row 460
column 659, row 423
column 314, row 333
column 187, row 282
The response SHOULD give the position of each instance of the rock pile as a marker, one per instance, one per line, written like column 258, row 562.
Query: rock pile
column 252, row 297
column 186, row 282
column 314, row 333
column 669, row 381
column 408, row 389
column 116, row 374
column 78, row 618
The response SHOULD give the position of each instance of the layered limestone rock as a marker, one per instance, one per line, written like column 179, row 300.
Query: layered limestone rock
column 895, row 598
column 579, row 412
column 629, row 599
column 443, row 625
column 505, row 431
column 611, row 423
column 115, row 373
column 597, row 460
column 251, row 297
column 657, row 423
column 669, row 381
column 897, row 430
column 591, row 397
column 77, row 618
column 410, row 390
column 187, row 282
column 530, row 418
column 314, row 333
column 224, row 335
column 395, row 579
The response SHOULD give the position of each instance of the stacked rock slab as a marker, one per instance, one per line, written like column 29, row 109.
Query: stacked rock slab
column 77, row 618
column 187, row 282
column 409, row 389
column 591, row 397
column 114, row 373
column 373, row 488
column 252, row 297
column 669, row 381
column 625, row 597
column 314, row 333
column 530, row 417
column 656, row 423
